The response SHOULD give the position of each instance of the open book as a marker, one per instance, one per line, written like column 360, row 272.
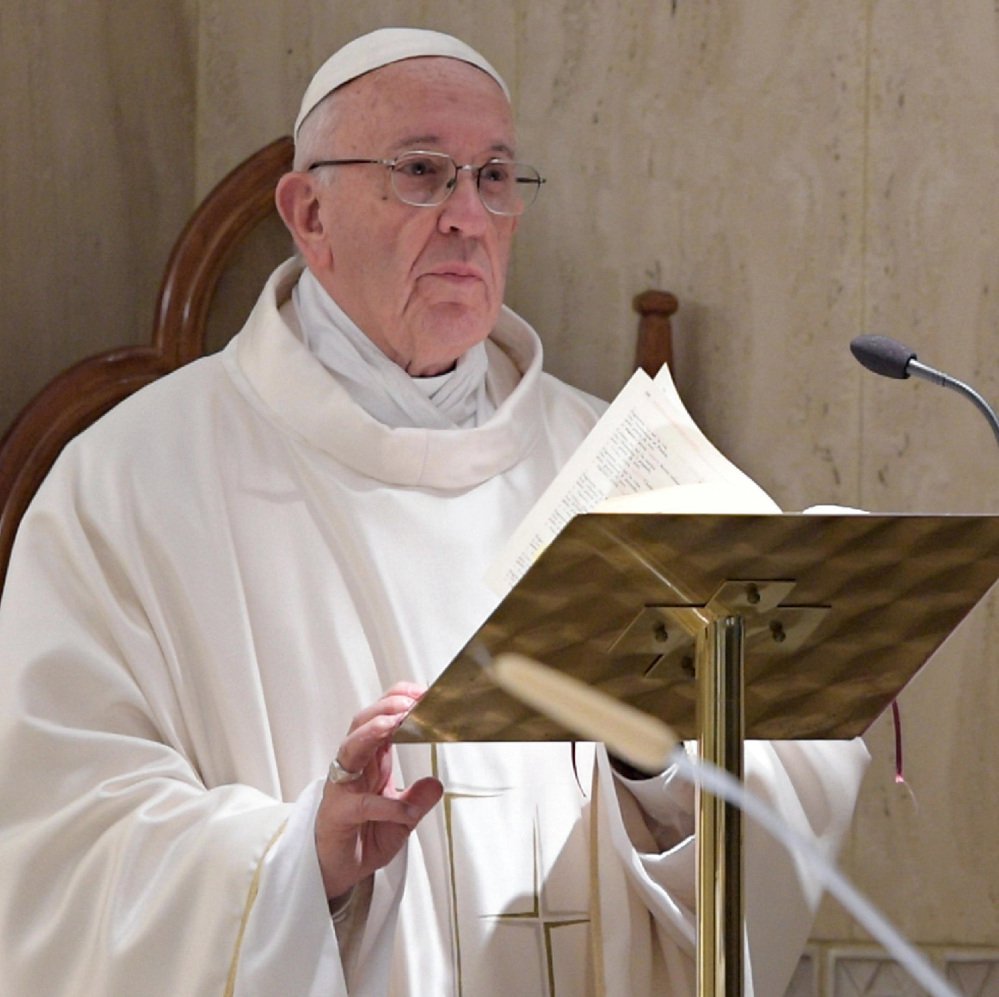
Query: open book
column 646, row 454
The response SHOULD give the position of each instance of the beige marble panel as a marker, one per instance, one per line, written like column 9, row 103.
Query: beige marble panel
column 931, row 262
column 933, row 251
column 250, row 64
column 95, row 177
column 712, row 150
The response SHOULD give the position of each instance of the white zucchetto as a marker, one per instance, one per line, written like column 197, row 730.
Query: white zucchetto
column 380, row 48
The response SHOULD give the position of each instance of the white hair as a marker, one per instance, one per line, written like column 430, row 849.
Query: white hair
column 313, row 140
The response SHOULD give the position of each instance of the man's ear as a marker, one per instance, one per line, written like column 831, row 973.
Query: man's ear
column 297, row 201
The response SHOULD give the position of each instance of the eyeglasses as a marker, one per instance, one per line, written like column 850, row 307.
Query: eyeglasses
column 426, row 179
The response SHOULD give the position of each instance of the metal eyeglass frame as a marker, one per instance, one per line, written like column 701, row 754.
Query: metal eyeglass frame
column 449, row 185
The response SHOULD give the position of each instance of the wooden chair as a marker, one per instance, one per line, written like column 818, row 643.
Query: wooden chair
column 204, row 267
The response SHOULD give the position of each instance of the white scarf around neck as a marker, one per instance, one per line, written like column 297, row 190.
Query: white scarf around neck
column 457, row 400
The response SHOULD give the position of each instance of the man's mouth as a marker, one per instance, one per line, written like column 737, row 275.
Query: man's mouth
column 461, row 272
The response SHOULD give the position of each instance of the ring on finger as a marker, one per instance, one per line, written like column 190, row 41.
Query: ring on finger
column 338, row 773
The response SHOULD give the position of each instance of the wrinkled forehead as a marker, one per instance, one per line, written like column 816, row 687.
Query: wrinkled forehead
column 426, row 103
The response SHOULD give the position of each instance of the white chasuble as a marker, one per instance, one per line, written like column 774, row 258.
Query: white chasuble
column 210, row 584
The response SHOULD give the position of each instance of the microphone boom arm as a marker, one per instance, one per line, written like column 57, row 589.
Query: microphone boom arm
column 921, row 370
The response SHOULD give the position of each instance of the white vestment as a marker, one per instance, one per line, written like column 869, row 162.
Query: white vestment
column 210, row 584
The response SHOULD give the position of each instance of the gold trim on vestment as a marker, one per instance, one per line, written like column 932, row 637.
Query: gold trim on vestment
column 251, row 898
column 596, row 917
column 537, row 911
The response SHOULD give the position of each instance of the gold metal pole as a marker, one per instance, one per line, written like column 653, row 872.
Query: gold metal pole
column 720, row 650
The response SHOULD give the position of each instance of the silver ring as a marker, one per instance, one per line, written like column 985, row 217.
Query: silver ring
column 338, row 773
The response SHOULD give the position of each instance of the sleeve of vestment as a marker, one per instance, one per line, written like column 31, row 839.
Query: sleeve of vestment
column 279, row 953
column 648, row 826
column 123, row 872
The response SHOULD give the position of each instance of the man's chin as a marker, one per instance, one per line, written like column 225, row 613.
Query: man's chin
column 459, row 320
column 450, row 331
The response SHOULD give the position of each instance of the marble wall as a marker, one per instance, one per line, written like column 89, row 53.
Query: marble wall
column 96, row 176
column 795, row 171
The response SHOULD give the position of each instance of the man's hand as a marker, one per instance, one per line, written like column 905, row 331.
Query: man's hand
column 362, row 824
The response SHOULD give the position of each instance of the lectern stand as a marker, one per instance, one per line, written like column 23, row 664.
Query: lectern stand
column 726, row 627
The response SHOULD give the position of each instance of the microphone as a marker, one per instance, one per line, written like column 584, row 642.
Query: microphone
column 890, row 358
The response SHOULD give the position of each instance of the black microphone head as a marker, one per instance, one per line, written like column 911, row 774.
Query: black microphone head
column 883, row 355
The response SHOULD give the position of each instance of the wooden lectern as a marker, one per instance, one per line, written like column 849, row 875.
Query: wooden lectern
column 726, row 627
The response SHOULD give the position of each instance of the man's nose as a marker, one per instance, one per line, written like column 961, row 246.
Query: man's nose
column 463, row 211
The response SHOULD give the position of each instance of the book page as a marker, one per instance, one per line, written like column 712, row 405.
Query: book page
column 645, row 444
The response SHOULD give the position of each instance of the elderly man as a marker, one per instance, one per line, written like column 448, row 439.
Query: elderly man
column 255, row 565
